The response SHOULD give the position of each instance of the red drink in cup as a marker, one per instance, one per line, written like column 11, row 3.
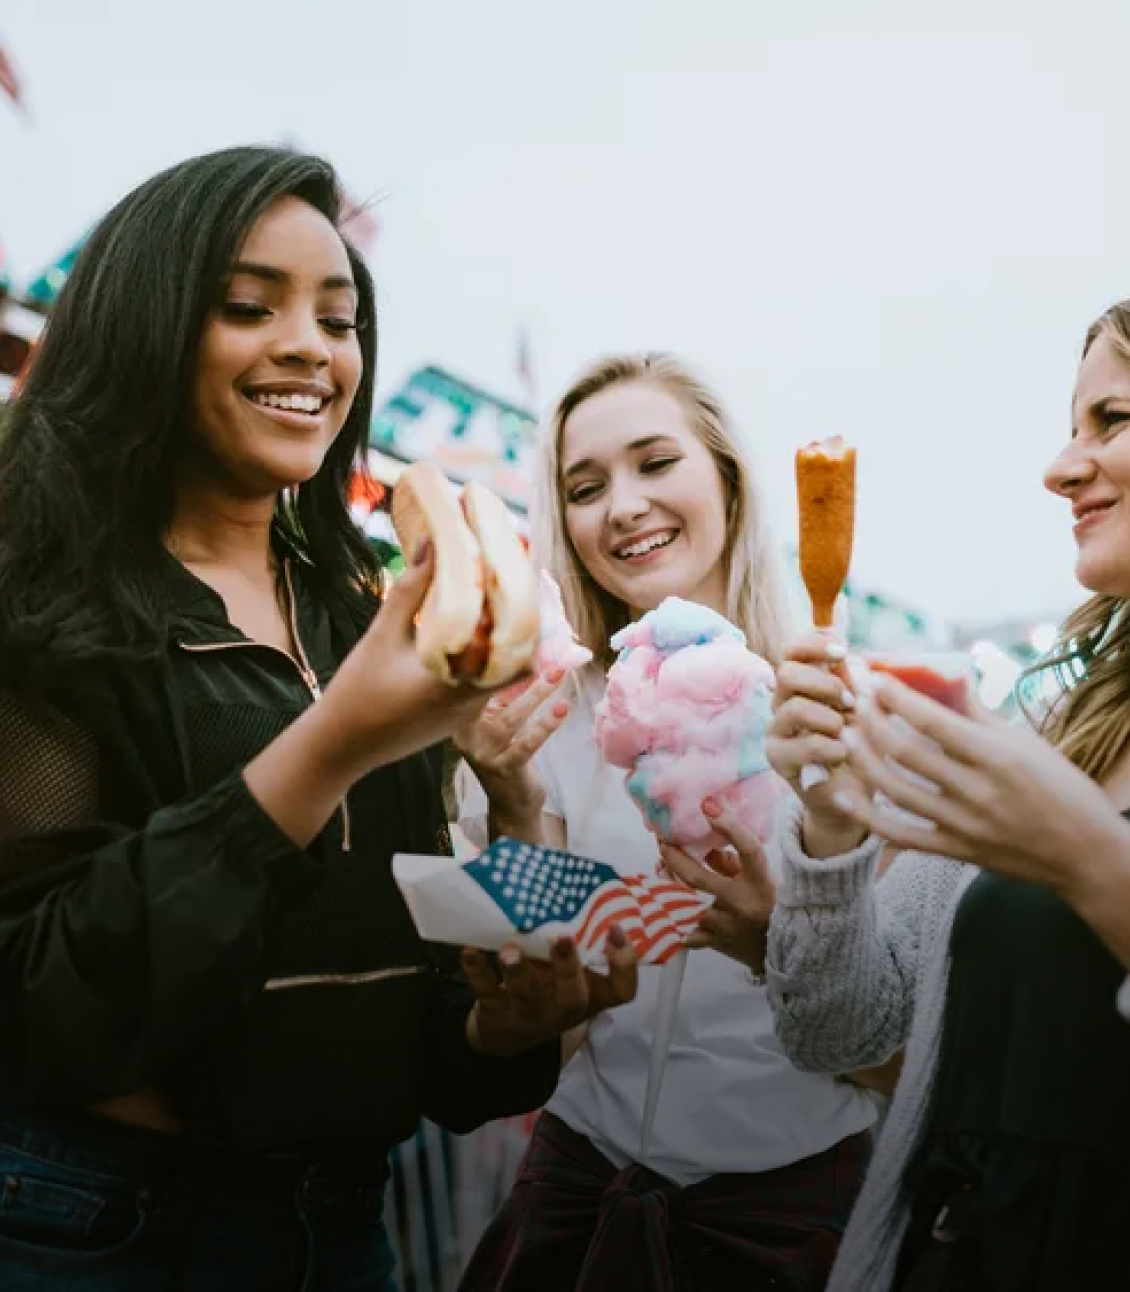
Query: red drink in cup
column 946, row 677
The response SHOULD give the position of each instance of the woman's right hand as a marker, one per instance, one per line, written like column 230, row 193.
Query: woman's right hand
column 500, row 742
column 812, row 704
column 383, row 703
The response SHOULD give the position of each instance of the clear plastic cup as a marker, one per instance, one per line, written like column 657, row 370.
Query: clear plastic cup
column 949, row 677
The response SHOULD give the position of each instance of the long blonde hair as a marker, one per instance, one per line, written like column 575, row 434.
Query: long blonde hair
column 755, row 601
column 1089, row 718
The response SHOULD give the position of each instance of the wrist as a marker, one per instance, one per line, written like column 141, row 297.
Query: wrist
column 526, row 827
column 513, row 807
column 492, row 1042
column 1097, row 879
column 821, row 837
column 341, row 750
column 754, row 957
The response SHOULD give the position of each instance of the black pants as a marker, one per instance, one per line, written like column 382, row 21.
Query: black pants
column 948, row 1258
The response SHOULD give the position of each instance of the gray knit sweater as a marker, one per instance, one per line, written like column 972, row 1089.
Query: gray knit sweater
column 857, row 969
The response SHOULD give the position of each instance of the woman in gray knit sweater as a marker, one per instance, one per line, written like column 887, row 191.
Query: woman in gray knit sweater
column 995, row 947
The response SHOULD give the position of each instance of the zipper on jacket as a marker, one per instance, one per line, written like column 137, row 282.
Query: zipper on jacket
column 311, row 679
column 305, row 672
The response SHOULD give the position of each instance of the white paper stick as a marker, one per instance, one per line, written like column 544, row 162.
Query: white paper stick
column 666, row 1009
column 812, row 774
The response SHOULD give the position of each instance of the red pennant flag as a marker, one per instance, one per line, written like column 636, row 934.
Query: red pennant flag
column 360, row 226
column 525, row 368
column 9, row 81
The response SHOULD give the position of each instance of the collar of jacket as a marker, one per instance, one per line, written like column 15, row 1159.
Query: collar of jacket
column 198, row 616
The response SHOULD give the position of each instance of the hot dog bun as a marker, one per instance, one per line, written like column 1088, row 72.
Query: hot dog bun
column 480, row 619
column 510, row 586
column 425, row 506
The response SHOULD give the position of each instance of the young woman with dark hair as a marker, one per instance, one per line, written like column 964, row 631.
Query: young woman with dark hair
column 217, row 1016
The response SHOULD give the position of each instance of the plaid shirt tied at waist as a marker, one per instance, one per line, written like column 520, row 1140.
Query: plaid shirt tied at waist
column 573, row 1223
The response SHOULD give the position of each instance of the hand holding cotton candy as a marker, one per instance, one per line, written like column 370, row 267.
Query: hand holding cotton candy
column 685, row 713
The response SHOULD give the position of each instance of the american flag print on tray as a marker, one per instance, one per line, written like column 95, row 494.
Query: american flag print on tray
column 531, row 896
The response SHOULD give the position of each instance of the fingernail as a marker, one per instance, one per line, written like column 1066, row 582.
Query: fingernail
column 560, row 710
column 509, row 956
column 617, row 937
column 422, row 552
column 711, row 807
column 836, row 650
column 555, row 675
column 847, row 699
column 842, row 801
column 850, row 737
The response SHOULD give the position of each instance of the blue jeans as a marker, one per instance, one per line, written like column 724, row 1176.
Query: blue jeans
column 89, row 1206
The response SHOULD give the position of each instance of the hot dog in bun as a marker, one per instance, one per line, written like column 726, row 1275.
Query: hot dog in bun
column 479, row 623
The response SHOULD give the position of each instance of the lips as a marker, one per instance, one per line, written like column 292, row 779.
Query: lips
column 296, row 405
column 1084, row 510
column 1087, row 515
column 642, row 545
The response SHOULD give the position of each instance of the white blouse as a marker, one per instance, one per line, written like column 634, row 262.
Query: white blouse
column 731, row 1100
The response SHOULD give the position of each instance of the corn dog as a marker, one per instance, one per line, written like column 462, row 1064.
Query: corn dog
column 825, row 477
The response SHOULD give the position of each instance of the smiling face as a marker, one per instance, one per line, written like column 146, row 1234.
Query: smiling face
column 643, row 500
column 279, row 360
column 1093, row 472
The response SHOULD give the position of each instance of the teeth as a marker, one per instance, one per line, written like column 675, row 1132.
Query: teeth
column 647, row 545
column 291, row 403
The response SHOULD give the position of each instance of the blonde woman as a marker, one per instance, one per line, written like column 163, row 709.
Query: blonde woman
column 997, row 944
column 645, row 493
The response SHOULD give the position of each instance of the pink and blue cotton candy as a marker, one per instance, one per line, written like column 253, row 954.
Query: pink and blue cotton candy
column 685, row 713
column 558, row 647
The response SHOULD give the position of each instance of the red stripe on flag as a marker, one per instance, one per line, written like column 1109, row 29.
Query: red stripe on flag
column 655, row 914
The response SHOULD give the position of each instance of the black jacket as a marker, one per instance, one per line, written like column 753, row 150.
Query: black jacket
column 157, row 928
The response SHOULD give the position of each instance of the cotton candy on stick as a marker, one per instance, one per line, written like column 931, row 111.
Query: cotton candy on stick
column 685, row 713
column 558, row 647
column 825, row 481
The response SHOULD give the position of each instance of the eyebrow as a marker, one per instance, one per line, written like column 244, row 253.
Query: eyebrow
column 272, row 274
column 586, row 463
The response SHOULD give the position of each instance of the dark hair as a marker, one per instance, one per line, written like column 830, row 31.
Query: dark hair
column 88, row 453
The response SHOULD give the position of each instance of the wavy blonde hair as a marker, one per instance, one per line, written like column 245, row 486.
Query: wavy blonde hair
column 755, row 600
column 1088, row 719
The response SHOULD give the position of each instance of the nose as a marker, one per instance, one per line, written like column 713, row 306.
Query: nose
column 302, row 340
column 1074, row 468
column 627, row 502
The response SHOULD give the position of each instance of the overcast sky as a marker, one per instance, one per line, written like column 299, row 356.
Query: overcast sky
column 891, row 221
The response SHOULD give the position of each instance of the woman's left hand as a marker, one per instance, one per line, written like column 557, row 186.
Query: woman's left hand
column 527, row 1001
column 737, row 924
column 996, row 795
